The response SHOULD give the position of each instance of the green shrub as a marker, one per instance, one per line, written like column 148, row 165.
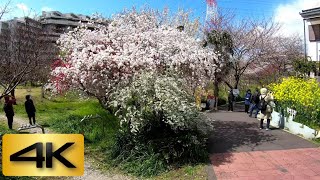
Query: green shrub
column 239, row 98
column 150, row 154
column 94, row 129
column 222, row 101
column 161, row 126
column 304, row 66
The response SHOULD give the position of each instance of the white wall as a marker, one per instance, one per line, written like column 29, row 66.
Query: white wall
column 293, row 127
column 312, row 47
column 313, row 50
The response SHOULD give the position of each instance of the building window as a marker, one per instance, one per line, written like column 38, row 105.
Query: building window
column 314, row 32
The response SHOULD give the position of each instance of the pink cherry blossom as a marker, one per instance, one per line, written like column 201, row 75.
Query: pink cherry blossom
column 101, row 60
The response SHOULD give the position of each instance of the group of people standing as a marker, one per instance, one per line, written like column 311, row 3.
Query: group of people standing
column 260, row 101
column 10, row 100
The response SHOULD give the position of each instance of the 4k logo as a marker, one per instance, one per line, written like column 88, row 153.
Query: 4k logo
column 39, row 157
column 25, row 154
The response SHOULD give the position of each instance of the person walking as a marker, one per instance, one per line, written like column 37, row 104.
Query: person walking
column 254, row 103
column 30, row 109
column 265, row 107
column 230, row 101
column 211, row 102
column 247, row 101
column 8, row 109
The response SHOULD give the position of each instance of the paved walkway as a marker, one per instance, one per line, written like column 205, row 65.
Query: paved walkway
column 240, row 150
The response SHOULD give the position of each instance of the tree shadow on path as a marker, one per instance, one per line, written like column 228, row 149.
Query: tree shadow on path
column 233, row 136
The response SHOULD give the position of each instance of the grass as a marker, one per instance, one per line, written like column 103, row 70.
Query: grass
column 63, row 114
column 197, row 172
column 316, row 141
column 4, row 129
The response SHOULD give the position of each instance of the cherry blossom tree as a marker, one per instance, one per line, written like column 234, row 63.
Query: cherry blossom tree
column 252, row 42
column 101, row 60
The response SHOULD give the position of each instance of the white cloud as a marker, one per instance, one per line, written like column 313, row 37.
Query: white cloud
column 19, row 10
column 46, row 9
column 288, row 15
column 22, row 7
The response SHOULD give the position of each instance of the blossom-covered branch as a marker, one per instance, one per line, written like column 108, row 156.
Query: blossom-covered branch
column 103, row 59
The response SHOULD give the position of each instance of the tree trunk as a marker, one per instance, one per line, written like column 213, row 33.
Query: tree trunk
column 216, row 94
column 13, row 92
column 237, row 78
column 229, row 85
column 42, row 92
column 104, row 104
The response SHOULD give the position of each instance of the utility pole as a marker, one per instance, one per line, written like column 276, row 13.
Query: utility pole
column 212, row 12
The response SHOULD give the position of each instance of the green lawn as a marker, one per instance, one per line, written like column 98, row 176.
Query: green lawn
column 198, row 172
column 63, row 114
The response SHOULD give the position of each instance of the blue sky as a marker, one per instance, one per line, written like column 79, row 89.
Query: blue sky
column 253, row 8
column 284, row 11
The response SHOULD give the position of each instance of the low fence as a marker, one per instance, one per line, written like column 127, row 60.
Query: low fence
column 28, row 126
column 287, row 123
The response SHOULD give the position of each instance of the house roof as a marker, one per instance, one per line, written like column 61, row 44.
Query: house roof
column 310, row 13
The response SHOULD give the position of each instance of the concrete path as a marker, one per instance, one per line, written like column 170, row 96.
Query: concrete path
column 240, row 150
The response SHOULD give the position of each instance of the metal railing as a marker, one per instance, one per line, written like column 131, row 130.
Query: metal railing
column 28, row 126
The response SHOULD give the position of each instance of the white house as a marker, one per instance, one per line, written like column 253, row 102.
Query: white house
column 311, row 21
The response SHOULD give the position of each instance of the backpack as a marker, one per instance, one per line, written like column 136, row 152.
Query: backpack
column 255, row 98
column 262, row 105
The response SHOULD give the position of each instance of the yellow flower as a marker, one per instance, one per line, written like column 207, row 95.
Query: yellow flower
column 304, row 93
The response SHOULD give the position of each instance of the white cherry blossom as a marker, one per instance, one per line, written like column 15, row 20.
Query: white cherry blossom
column 101, row 60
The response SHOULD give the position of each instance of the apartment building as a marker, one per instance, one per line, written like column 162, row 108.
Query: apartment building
column 56, row 23
column 41, row 33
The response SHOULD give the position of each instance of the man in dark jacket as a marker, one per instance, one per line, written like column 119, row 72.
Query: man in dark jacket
column 30, row 109
column 254, row 103
column 247, row 101
column 8, row 109
column 230, row 100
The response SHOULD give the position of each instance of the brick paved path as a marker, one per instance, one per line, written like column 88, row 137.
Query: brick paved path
column 240, row 150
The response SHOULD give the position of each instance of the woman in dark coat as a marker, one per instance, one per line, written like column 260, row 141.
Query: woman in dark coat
column 8, row 109
column 30, row 109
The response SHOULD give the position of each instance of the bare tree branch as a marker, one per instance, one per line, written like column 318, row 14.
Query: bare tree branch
column 5, row 9
column 25, row 54
column 251, row 41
